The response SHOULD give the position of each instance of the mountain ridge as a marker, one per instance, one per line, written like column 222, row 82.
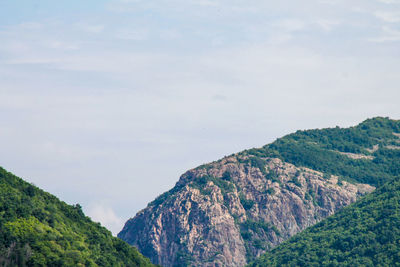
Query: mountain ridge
column 315, row 171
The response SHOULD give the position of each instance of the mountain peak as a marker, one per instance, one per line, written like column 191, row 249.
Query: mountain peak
column 227, row 212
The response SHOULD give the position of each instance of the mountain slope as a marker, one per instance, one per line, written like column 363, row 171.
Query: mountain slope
column 366, row 233
column 37, row 229
column 366, row 153
column 228, row 212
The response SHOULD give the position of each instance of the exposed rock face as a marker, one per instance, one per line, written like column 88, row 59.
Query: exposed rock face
column 228, row 212
column 357, row 156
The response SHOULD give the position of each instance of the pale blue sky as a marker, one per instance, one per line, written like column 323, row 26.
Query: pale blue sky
column 106, row 103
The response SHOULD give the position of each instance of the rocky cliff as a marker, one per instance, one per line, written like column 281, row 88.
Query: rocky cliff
column 228, row 212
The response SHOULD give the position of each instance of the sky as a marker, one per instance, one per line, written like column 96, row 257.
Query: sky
column 107, row 103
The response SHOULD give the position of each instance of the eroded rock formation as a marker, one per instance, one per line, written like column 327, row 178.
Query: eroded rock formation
column 228, row 212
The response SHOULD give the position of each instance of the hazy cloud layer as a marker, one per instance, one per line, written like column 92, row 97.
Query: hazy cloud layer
column 107, row 103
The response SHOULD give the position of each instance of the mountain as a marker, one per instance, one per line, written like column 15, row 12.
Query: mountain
column 37, row 229
column 228, row 212
column 366, row 233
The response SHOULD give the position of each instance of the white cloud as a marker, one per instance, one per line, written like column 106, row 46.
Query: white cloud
column 290, row 25
column 55, row 44
column 328, row 25
column 390, row 1
column 170, row 34
column 91, row 28
column 386, row 16
column 279, row 38
column 132, row 34
column 205, row 3
column 106, row 216
column 32, row 61
column 388, row 35
column 31, row 25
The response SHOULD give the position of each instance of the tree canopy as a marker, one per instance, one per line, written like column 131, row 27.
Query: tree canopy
column 37, row 229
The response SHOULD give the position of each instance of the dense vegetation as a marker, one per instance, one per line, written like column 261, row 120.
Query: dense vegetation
column 319, row 150
column 37, row 229
column 366, row 233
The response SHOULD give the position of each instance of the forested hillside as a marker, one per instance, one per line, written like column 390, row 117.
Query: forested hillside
column 366, row 153
column 37, row 229
column 366, row 233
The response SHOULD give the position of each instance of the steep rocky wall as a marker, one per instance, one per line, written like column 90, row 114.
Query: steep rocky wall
column 230, row 211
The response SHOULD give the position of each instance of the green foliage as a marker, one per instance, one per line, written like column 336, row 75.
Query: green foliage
column 295, row 180
column 37, row 229
column 246, row 235
column 226, row 176
column 183, row 259
column 224, row 185
column 253, row 234
column 273, row 176
column 366, row 233
column 246, row 203
column 164, row 197
column 259, row 163
column 258, row 227
column 270, row 191
column 318, row 149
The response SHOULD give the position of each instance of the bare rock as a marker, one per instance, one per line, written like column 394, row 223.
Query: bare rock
column 228, row 212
